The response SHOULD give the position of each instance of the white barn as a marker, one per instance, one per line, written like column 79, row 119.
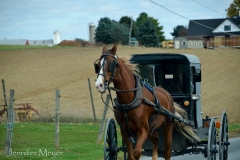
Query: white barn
column 188, row 42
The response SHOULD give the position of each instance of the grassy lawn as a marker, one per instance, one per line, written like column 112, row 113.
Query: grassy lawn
column 77, row 141
column 235, row 127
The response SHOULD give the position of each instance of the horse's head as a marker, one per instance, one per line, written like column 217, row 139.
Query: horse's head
column 106, row 67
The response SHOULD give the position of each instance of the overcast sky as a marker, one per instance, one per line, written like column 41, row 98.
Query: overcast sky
column 38, row 19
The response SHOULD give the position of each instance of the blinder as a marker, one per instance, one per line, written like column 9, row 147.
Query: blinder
column 96, row 67
column 112, row 65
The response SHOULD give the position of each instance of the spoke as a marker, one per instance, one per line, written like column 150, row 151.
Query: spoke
column 110, row 144
column 212, row 141
column 107, row 140
column 223, row 145
column 110, row 135
column 111, row 156
column 107, row 155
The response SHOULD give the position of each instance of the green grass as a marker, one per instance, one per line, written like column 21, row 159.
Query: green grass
column 16, row 47
column 64, row 119
column 77, row 141
column 235, row 127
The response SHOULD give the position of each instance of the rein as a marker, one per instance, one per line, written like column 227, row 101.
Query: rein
column 129, row 90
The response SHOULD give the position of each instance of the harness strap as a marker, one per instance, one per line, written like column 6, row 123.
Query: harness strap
column 125, row 107
column 130, row 139
column 145, row 100
column 129, row 90
column 158, row 105
column 162, row 110
column 129, row 130
column 137, row 97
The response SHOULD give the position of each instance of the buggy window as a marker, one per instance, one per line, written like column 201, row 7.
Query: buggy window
column 146, row 72
column 171, row 77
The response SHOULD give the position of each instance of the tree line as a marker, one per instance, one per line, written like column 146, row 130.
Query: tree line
column 146, row 29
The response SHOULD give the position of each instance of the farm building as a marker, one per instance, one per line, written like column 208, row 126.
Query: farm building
column 188, row 42
column 14, row 42
column 41, row 42
column 26, row 42
column 224, row 32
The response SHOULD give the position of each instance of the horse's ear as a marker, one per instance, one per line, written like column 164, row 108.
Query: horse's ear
column 104, row 49
column 114, row 49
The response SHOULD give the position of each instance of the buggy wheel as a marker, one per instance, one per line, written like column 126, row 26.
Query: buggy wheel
column 223, row 139
column 212, row 142
column 110, row 141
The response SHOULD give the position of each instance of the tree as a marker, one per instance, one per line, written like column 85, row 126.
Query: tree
column 120, row 33
column 159, row 28
column 102, row 34
column 143, row 17
column 126, row 20
column 109, row 31
column 233, row 9
column 179, row 31
column 148, row 34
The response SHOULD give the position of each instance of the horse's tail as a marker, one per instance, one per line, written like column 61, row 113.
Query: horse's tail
column 184, row 129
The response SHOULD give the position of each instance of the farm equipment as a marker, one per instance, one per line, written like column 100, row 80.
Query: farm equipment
column 180, row 75
column 22, row 114
column 168, row 44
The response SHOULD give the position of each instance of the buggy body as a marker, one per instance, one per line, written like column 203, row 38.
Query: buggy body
column 180, row 75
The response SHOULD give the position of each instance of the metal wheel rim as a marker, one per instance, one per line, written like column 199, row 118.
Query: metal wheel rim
column 212, row 142
column 110, row 141
column 223, row 140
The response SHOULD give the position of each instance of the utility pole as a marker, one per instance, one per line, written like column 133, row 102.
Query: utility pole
column 130, row 32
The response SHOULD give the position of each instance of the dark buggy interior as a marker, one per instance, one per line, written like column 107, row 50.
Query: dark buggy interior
column 169, row 75
column 172, row 72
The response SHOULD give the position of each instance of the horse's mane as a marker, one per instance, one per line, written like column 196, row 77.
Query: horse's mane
column 131, row 66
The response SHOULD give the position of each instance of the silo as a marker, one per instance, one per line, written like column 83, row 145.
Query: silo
column 56, row 37
column 91, row 32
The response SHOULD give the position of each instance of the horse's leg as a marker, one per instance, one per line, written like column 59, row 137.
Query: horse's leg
column 155, row 139
column 167, row 130
column 129, row 147
column 141, row 137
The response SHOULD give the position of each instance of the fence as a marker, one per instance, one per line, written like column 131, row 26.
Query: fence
column 52, row 113
column 73, row 108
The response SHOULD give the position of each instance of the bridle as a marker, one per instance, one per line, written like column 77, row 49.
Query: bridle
column 113, row 65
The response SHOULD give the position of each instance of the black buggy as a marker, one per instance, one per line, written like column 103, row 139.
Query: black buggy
column 180, row 75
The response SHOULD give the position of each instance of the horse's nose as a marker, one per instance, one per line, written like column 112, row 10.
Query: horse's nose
column 99, row 86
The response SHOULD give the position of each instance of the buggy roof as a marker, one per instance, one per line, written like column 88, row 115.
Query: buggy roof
column 154, row 57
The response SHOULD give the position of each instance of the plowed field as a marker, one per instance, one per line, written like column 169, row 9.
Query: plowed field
column 35, row 74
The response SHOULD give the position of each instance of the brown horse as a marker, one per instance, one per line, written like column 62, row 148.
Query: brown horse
column 137, row 118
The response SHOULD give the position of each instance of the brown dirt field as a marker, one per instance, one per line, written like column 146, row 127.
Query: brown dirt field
column 74, row 43
column 35, row 74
